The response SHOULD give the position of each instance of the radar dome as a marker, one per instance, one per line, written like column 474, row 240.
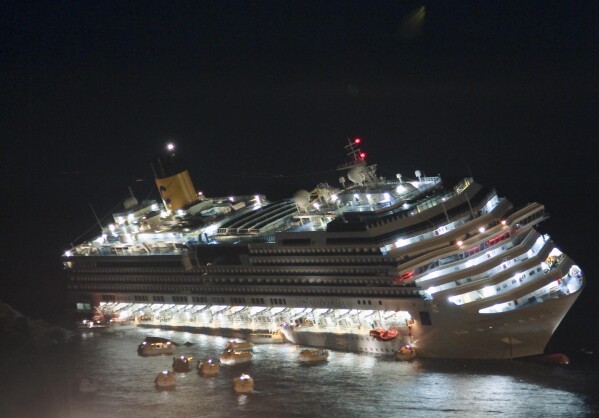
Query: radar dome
column 357, row 174
column 130, row 202
column 301, row 198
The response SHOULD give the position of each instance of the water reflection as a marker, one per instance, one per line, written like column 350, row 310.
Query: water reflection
column 349, row 384
column 242, row 399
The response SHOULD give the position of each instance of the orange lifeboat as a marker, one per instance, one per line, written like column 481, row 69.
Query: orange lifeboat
column 384, row 335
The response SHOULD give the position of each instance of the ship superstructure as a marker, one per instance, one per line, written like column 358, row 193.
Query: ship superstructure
column 457, row 271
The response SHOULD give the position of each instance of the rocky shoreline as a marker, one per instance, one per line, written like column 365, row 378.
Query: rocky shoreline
column 18, row 331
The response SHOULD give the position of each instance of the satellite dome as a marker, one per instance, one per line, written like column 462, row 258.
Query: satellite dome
column 301, row 198
column 357, row 174
column 130, row 202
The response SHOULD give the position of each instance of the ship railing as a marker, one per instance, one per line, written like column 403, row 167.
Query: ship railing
column 430, row 180
column 463, row 185
column 458, row 219
column 530, row 289
column 459, row 257
column 269, row 239
column 241, row 231
column 106, row 253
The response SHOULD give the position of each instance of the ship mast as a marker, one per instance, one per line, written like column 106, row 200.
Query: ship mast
column 355, row 154
column 357, row 169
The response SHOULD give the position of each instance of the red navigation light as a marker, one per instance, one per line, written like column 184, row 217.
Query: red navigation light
column 362, row 155
column 357, row 141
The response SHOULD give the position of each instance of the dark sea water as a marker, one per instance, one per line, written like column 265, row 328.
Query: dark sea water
column 45, row 384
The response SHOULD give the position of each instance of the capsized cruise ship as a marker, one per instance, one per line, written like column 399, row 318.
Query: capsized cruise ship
column 454, row 271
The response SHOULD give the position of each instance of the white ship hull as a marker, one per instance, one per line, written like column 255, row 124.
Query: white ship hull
column 519, row 333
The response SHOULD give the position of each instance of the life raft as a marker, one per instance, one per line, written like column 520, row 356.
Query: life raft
column 384, row 335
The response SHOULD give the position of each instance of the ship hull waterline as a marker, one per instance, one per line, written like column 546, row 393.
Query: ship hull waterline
column 519, row 333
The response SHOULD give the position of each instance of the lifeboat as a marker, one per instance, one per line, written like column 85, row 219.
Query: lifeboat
column 155, row 346
column 383, row 335
column 405, row 353
column 243, row 384
column 231, row 357
column 267, row 337
column 182, row 364
column 165, row 380
column 313, row 356
column 209, row 367
column 239, row 345
column 94, row 324
column 554, row 359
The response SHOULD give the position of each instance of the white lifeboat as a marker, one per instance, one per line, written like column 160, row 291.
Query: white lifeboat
column 239, row 345
column 243, row 384
column 209, row 367
column 231, row 357
column 165, row 380
column 267, row 337
column 313, row 356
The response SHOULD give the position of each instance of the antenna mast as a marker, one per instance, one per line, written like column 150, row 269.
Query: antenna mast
column 96, row 216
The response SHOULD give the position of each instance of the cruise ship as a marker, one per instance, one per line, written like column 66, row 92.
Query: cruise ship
column 454, row 271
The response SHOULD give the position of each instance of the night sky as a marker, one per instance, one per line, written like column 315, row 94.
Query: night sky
column 262, row 96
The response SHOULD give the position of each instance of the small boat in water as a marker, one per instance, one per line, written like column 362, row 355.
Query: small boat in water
column 155, row 346
column 208, row 367
column 553, row 359
column 230, row 357
column 165, row 380
column 267, row 337
column 313, row 356
column 405, row 353
column 182, row 364
column 383, row 335
column 90, row 324
column 243, row 384
column 239, row 345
